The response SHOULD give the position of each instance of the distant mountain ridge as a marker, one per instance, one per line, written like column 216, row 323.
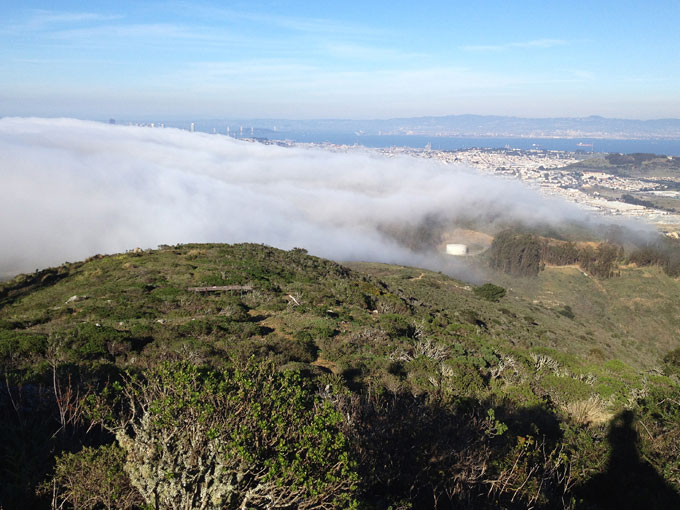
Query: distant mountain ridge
column 479, row 125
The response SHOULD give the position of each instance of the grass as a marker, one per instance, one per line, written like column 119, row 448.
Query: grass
column 133, row 309
column 558, row 354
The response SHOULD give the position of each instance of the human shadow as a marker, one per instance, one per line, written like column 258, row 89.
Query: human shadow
column 629, row 482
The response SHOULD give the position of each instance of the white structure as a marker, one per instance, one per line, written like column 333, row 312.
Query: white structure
column 193, row 127
column 456, row 249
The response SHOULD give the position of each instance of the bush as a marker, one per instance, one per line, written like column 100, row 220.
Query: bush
column 660, row 412
column 567, row 312
column 396, row 326
column 250, row 438
column 462, row 378
column 93, row 478
column 490, row 292
column 416, row 452
column 672, row 362
column 323, row 329
column 673, row 358
column 19, row 344
column 566, row 389
column 91, row 341
column 304, row 348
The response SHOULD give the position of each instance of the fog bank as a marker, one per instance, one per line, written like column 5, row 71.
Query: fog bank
column 72, row 189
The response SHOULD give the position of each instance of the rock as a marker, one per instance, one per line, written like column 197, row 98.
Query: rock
column 75, row 298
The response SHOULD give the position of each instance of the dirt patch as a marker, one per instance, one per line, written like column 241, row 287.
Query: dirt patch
column 277, row 326
column 465, row 236
column 476, row 242
column 328, row 365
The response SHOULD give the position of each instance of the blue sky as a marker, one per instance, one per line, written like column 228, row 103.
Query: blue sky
column 368, row 59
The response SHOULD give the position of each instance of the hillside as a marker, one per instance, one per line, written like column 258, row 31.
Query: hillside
column 450, row 395
column 631, row 317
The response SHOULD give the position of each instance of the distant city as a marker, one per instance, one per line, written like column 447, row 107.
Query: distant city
column 458, row 126
column 455, row 132
column 569, row 167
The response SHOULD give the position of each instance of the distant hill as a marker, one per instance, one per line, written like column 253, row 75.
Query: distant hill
column 478, row 126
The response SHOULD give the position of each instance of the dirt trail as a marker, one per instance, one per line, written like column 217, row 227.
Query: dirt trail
column 418, row 277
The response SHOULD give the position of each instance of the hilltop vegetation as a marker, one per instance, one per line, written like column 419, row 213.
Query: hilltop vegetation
column 636, row 165
column 525, row 254
column 310, row 384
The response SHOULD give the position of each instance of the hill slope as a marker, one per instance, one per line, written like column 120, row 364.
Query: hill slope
column 554, row 357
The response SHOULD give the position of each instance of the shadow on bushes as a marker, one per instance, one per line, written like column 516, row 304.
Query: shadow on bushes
column 629, row 482
column 436, row 455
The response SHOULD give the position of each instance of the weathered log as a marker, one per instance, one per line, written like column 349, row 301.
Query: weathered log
column 223, row 288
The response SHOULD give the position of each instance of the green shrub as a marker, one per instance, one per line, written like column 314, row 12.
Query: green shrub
column 166, row 293
column 618, row 367
column 236, row 310
column 302, row 348
column 201, row 327
column 490, row 292
column 21, row 344
column 234, row 439
column 5, row 324
column 323, row 329
column 462, row 377
column 396, row 326
column 93, row 478
column 567, row 312
column 672, row 362
column 660, row 413
column 472, row 317
column 91, row 341
column 566, row 389
column 535, row 474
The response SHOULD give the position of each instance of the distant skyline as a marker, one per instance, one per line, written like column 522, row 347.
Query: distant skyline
column 360, row 60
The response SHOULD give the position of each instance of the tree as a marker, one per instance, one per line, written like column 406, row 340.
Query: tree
column 92, row 478
column 251, row 438
column 516, row 253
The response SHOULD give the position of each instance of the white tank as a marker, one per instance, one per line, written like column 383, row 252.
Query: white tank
column 456, row 249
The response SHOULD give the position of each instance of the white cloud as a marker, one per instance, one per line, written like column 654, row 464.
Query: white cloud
column 38, row 21
column 74, row 188
column 300, row 24
column 43, row 17
column 536, row 43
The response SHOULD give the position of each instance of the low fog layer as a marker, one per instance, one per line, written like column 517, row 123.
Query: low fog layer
column 72, row 189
